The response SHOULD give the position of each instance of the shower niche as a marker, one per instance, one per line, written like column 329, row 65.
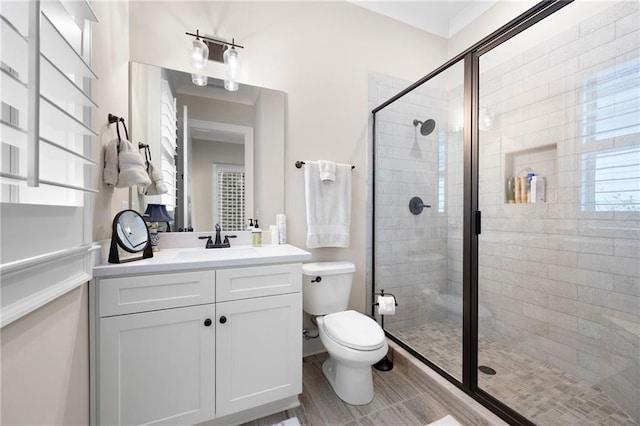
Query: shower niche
column 541, row 161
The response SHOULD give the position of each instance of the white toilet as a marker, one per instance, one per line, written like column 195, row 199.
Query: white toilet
column 354, row 341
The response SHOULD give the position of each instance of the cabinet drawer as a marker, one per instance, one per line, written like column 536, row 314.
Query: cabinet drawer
column 151, row 292
column 243, row 283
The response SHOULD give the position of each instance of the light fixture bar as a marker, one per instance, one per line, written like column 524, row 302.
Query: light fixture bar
column 198, row 35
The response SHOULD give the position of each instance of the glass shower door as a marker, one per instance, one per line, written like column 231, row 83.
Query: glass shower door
column 559, row 191
column 418, row 250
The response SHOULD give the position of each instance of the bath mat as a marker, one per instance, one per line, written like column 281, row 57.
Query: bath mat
column 445, row 421
column 293, row 421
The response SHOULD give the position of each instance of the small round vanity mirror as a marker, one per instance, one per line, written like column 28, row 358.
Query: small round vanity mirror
column 129, row 233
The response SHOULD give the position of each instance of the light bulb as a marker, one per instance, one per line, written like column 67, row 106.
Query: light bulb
column 199, row 79
column 199, row 54
column 230, row 57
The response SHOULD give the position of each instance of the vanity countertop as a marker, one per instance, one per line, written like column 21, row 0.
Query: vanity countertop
column 180, row 259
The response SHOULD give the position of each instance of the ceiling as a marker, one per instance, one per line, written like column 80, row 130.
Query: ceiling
column 443, row 18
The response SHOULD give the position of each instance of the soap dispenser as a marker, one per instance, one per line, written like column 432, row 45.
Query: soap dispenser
column 250, row 226
column 256, row 235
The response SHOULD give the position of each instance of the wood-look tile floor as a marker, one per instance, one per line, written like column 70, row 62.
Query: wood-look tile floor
column 541, row 392
column 398, row 401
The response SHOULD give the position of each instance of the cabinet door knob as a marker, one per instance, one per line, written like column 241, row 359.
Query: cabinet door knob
column 207, row 322
column 223, row 319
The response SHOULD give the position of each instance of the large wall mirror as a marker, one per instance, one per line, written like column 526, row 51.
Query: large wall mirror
column 221, row 152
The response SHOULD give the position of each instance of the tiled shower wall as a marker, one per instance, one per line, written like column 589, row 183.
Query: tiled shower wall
column 561, row 280
column 411, row 250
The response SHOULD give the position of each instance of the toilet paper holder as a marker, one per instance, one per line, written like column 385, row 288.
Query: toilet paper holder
column 382, row 293
column 385, row 364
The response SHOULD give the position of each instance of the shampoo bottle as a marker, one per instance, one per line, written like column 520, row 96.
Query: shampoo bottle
column 528, row 183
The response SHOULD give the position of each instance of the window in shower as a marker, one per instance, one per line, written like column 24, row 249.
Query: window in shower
column 610, row 132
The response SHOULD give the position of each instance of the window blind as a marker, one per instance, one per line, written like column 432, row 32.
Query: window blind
column 168, row 144
column 46, row 102
column 230, row 199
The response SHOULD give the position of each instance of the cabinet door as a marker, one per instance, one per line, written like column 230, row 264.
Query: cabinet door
column 258, row 351
column 157, row 367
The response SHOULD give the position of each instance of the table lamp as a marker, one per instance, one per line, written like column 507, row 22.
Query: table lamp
column 153, row 214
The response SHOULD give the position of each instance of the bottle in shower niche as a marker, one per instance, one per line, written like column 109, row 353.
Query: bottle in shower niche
column 511, row 190
column 523, row 189
column 528, row 183
column 538, row 189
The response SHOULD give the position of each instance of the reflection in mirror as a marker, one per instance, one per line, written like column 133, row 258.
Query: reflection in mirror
column 221, row 152
column 129, row 233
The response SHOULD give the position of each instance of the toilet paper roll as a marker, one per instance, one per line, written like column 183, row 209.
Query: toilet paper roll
column 386, row 305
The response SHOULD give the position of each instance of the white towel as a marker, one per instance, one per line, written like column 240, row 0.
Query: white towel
column 327, row 170
column 110, row 171
column 328, row 206
column 158, row 185
column 132, row 167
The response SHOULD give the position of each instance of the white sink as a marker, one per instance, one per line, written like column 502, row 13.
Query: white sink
column 217, row 253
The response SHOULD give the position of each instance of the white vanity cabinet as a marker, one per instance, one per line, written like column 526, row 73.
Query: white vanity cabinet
column 213, row 346
column 258, row 336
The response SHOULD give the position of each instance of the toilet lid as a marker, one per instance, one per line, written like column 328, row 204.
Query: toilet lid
column 354, row 330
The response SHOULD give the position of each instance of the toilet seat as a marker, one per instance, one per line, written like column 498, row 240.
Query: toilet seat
column 354, row 330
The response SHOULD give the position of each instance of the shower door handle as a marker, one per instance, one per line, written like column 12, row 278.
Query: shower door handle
column 478, row 217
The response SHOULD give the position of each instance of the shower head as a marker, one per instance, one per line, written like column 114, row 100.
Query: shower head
column 426, row 127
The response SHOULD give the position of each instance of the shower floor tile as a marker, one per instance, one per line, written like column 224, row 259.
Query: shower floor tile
column 544, row 394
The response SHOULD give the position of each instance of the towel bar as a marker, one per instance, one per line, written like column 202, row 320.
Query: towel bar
column 299, row 165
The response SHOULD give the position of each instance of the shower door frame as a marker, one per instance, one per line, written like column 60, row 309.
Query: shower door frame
column 472, row 214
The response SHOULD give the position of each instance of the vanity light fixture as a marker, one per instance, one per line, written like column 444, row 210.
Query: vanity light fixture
column 198, row 57
column 230, row 57
column 207, row 48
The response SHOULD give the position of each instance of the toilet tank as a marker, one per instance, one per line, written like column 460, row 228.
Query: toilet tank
column 331, row 292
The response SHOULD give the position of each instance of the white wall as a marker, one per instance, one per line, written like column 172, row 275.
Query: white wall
column 319, row 53
column 494, row 18
column 111, row 93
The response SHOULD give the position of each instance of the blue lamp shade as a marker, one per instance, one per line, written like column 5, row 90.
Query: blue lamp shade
column 156, row 213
